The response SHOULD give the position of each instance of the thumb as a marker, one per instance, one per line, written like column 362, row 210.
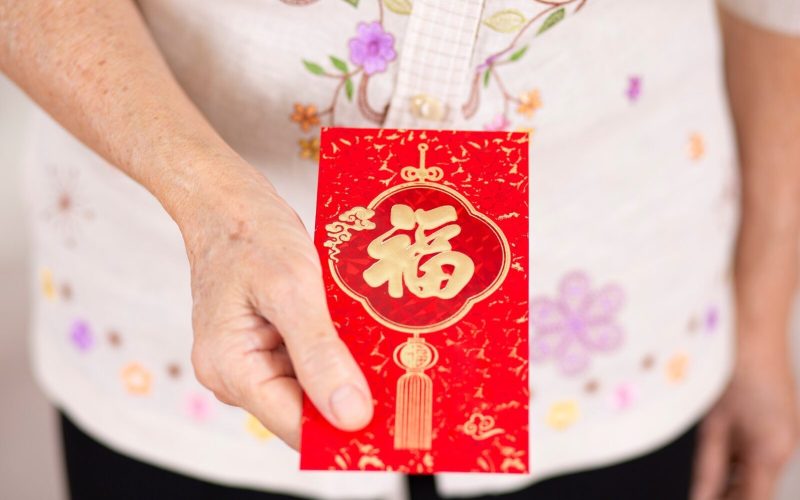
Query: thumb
column 324, row 366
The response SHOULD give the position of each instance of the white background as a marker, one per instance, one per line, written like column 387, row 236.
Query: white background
column 30, row 462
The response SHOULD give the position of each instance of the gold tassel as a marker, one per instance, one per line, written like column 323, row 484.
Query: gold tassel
column 413, row 418
column 414, row 404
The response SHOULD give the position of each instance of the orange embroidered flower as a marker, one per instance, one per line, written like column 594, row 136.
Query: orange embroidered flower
column 309, row 148
column 697, row 146
column 136, row 379
column 562, row 414
column 256, row 428
column 305, row 116
column 676, row 367
column 529, row 102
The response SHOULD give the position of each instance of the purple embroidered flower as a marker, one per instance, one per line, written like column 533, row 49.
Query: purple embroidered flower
column 498, row 123
column 81, row 335
column 712, row 319
column 372, row 48
column 579, row 321
column 634, row 88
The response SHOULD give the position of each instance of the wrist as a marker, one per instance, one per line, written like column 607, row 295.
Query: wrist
column 762, row 348
column 211, row 194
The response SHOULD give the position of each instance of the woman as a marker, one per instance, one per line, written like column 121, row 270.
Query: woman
column 214, row 108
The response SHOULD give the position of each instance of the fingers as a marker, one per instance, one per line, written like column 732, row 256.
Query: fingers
column 278, row 404
column 757, row 481
column 295, row 302
column 251, row 370
column 763, row 459
column 712, row 460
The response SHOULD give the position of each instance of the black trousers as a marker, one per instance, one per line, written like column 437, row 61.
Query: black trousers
column 96, row 472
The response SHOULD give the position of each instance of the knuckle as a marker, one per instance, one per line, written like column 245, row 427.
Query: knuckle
column 204, row 370
column 288, row 280
column 208, row 375
column 322, row 356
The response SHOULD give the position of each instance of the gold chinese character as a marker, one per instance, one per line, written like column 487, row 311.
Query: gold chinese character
column 443, row 275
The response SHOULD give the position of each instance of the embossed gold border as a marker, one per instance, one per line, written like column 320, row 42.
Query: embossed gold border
column 471, row 301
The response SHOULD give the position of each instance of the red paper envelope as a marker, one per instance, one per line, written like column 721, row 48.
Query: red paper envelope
column 423, row 237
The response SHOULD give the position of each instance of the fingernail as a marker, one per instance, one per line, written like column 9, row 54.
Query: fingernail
column 350, row 407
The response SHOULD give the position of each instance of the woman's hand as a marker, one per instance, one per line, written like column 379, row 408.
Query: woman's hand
column 752, row 431
column 262, row 329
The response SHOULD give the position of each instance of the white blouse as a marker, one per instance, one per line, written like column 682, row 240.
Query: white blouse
column 633, row 209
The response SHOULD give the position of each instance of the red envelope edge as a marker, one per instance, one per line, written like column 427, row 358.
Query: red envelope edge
column 423, row 240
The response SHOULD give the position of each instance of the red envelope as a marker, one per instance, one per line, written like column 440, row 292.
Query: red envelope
column 423, row 238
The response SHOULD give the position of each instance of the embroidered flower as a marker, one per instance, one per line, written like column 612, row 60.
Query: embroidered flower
column 309, row 148
column 697, row 146
column 529, row 102
column 174, row 370
column 372, row 48
column 305, row 116
column 498, row 123
column 624, row 396
column 114, row 338
column 197, row 407
column 712, row 319
column 66, row 211
column 66, row 292
column 256, row 428
column 81, row 335
column 47, row 283
column 562, row 414
column 676, row 367
column 634, row 88
column 136, row 379
column 579, row 321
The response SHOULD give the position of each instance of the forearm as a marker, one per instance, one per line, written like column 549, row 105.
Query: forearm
column 763, row 75
column 94, row 67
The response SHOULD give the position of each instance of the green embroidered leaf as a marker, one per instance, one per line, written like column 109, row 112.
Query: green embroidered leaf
column 552, row 20
column 313, row 67
column 505, row 21
column 339, row 64
column 402, row 7
column 348, row 89
column 486, row 77
column 518, row 54
column 354, row 3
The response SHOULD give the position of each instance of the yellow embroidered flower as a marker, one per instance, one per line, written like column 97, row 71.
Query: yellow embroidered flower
column 48, row 287
column 136, row 379
column 529, row 102
column 256, row 428
column 305, row 116
column 676, row 367
column 309, row 148
column 697, row 146
column 563, row 414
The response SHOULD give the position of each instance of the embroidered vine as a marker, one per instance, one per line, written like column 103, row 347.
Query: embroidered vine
column 510, row 21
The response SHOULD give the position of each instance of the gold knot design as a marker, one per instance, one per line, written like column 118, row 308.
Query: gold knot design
column 421, row 173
